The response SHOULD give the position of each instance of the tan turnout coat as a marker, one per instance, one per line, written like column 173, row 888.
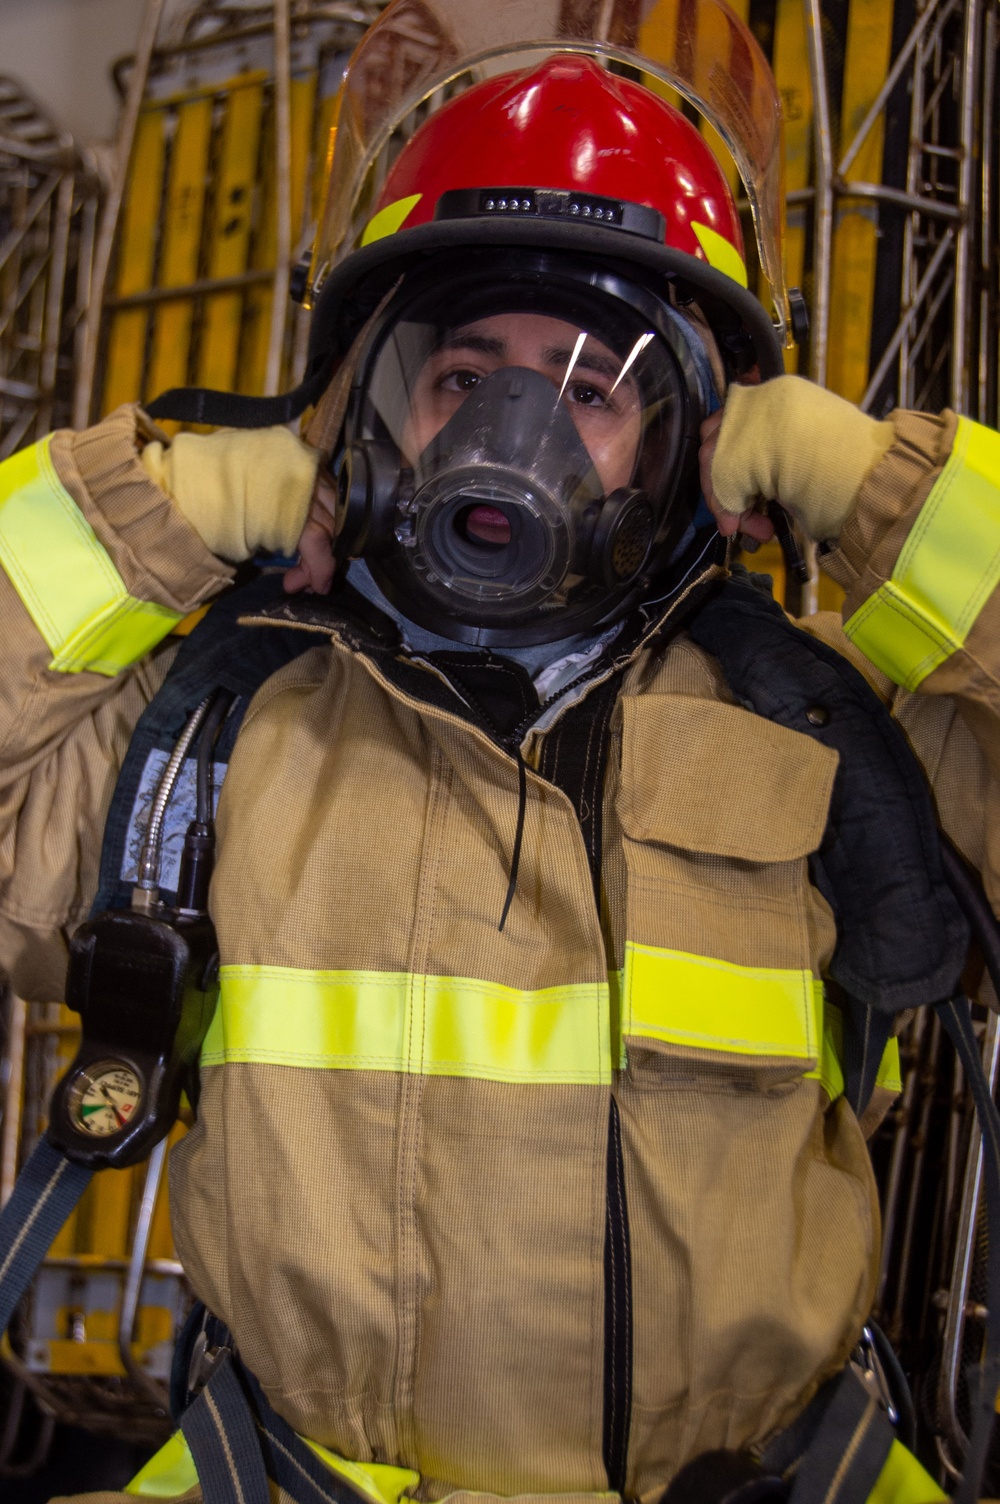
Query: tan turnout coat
column 408, row 1251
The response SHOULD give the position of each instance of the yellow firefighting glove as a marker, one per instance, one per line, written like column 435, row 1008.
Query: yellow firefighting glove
column 791, row 441
column 242, row 490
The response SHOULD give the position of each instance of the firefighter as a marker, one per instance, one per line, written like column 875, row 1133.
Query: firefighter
column 522, row 1162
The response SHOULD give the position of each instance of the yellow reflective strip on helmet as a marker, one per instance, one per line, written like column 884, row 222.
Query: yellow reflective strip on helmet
column 390, row 219
column 418, row 1025
column 169, row 1472
column 70, row 588
column 947, row 569
column 721, row 253
column 903, row 1481
column 706, row 1004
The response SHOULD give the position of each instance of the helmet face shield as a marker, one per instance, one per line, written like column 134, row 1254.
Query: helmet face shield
column 519, row 449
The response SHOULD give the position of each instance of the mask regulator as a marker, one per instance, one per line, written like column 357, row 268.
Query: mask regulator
column 145, row 982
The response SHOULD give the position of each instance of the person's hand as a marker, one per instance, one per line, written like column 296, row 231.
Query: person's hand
column 750, row 522
column 790, row 441
column 316, row 565
column 244, row 491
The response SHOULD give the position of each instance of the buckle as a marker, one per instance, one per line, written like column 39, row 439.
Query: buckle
column 204, row 1360
column 871, row 1371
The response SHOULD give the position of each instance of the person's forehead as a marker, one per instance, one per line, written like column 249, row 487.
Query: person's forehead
column 554, row 340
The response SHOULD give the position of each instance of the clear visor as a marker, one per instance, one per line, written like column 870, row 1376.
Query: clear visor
column 422, row 52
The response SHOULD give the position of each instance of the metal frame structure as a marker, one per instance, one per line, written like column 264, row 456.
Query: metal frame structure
column 944, row 347
column 943, row 351
column 48, row 208
column 284, row 28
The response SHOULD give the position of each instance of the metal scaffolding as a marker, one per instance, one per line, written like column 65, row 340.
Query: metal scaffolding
column 939, row 236
column 48, row 207
column 943, row 350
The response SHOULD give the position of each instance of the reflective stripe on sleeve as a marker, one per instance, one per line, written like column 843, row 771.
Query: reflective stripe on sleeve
column 948, row 567
column 416, row 1025
column 700, row 1003
column 68, row 584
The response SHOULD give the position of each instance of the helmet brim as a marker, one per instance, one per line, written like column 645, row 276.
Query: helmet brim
column 355, row 287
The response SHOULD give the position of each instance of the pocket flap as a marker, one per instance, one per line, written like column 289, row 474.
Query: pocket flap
column 710, row 777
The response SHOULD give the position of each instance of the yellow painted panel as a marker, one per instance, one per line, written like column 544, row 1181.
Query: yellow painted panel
column 657, row 35
column 136, row 258
column 869, row 42
column 326, row 134
column 228, row 253
column 791, row 71
column 303, row 104
column 154, row 1324
column 257, row 306
column 104, row 1214
column 713, row 140
column 96, row 1357
column 184, row 211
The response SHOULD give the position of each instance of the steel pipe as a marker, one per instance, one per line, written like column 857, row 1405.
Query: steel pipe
column 892, row 349
column 283, row 194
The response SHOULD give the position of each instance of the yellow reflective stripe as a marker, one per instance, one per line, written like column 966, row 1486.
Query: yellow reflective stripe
column 70, row 588
column 889, row 1074
column 829, row 1072
column 947, row 569
column 903, row 1481
column 376, row 1480
column 171, row 1471
column 418, row 1025
column 706, row 1004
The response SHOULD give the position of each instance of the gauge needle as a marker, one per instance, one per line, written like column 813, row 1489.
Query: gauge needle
column 111, row 1103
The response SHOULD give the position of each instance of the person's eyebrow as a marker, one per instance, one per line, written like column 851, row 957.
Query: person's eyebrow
column 587, row 360
column 485, row 344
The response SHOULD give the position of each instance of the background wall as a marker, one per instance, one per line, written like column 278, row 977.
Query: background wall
column 62, row 51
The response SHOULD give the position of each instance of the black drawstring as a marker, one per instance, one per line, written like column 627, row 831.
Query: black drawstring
column 515, row 861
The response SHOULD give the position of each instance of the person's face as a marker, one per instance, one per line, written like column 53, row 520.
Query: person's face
column 604, row 405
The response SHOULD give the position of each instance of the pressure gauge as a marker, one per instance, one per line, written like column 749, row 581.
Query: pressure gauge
column 103, row 1098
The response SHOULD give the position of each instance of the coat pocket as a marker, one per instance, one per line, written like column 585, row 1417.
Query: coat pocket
column 725, row 935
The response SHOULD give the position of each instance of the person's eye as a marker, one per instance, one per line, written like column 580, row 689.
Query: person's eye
column 459, row 381
column 585, row 395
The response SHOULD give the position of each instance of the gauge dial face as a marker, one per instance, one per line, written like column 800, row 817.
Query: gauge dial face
column 105, row 1098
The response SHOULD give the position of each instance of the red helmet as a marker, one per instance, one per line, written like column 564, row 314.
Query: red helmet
column 563, row 156
column 570, row 125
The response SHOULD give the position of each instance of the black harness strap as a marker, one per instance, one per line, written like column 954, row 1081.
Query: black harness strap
column 219, row 1428
column 848, row 1451
column 238, row 1441
column 45, row 1193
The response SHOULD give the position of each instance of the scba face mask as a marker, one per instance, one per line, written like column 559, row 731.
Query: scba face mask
column 521, row 448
